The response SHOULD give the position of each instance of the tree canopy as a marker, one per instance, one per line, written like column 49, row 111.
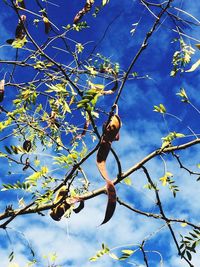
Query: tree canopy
column 99, row 135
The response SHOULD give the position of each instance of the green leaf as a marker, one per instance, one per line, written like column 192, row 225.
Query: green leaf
column 126, row 253
column 79, row 48
column 189, row 255
column 183, row 95
column 161, row 108
column 104, row 2
column 58, row 88
column 11, row 256
column 179, row 135
column 113, row 256
column 183, row 225
column 32, row 179
column 194, row 66
column 19, row 43
column 8, row 150
column 100, row 253
column 128, row 181
column 18, row 185
column 66, row 108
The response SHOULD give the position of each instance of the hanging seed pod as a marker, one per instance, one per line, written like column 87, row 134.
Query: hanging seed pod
column 57, row 212
column 83, row 11
column 79, row 208
column 2, row 87
column 27, row 145
column 47, row 24
column 110, row 134
column 20, row 31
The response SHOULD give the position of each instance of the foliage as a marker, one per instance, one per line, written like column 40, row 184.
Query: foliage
column 58, row 90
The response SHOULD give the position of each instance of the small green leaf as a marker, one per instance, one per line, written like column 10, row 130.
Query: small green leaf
column 194, row 66
column 128, row 181
column 104, row 2
column 183, row 95
column 161, row 109
column 19, row 43
column 11, row 256
column 189, row 255
column 8, row 150
column 184, row 224
column 100, row 253
column 79, row 48
column 128, row 251
column 113, row 256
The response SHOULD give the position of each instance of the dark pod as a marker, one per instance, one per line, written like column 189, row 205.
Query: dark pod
column 2, row 83
column 27, row 145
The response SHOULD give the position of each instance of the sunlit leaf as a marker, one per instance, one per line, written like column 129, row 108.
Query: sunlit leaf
column 194, row 66
column 100, row 253
column 79, row 48
column 161, row 108
column 184, row 224
column 91, row 70
column 19, row 43
column 128, row 181
column 113, row 256
column 104, row 2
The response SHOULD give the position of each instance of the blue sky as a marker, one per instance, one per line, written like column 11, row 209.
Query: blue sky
column 76, row 239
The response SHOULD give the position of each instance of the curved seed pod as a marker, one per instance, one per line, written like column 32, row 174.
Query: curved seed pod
column 2, row 87
column 111, row 133
column 111, row 205
column 83, row 11
column 80, row 207
column 27, row 145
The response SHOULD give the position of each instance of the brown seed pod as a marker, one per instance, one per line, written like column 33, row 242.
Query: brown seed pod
column 110, row 134
column 47, row 24
column 57, row 212
column 20, row 31
column 27, row 145
column 2, row 87
column 83, row 11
